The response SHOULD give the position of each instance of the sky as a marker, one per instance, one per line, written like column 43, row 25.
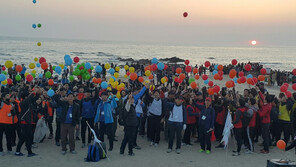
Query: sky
column 209, row 22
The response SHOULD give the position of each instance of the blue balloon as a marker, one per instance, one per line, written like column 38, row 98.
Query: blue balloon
column 206, row 81
column 154, row 60
column 40, row 76
column 65, row 67
column 2, row 77
column 68, row 61
column 111, row 71
column 87, row 65
column 50, row 92
column 98, row 69
column 58, row 69
column 104, row 85
column 38, row 64
column 215, row 72
column 67, row 57
column 216, row 67
column 235, row 80
column 34, row 26
column 34, row 1
column 160, row 66
column 113, row 78
column 250, row 76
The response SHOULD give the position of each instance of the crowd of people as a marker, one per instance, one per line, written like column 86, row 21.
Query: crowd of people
column 144, row 109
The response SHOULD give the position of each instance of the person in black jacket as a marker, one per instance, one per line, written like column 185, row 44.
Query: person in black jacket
column 69, row 119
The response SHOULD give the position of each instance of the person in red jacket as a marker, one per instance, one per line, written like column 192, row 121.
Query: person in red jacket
column 264, row 113
column 191, row 120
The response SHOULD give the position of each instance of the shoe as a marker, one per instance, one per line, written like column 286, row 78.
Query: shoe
column 264, row 152
column 137, row 147
column 178, row 151
column 73, row 152
column 155, row 144
column 169, row 150
column 131, row 154
column 208, row 152
column 83, row 145
column 77, row 138
column 32, row 155
column 201, row 150
column 50, row 136
column 64, row 152
column 110, row 149
column 58, row 144
column 18, row 154
column 249, row 152
column 152, row 143
column 236, row 154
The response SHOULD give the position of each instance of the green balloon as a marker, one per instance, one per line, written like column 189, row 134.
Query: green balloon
column 4, row 72
column 47, row 74
column 92, row 67
column 77, row 72
column 39, row 25
column 85, row 76
column 83, row 64
column 191, row 80
column 33, row 75
column 71, row 78
column 18, row 77
column 53, row 67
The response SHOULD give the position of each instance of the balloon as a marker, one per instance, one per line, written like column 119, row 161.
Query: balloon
column 128, row 73
column 294, row 71
column 117, row 68
column 67, row 57
column 216, row 76
column 187, row 62
column 220, row 67
column 34, row 1
column 126, row 67
column 58, row 69
column 178, row 70
column 176, row 79
column 215, row 72
column 4, row 82
column 250, row 76
column 9, row 81
column 211, row 83
column 286, row 85
column 39, row 44
column 107, row 66
column 165, row 67
column 32, row 65
column 33, row 71
column 281, row 144
column 99, row 80
column 104, row 85
column 263, row 71
column 116, row 75
column 86, row 76
column 76, row 59
column 18, row 77
column 261, row 77
column 87, row 65
column 39, row 25
column 294, row 86
column 234, row 62
column 154, row 60
column 288, row 93
column 205, row 77
column 195, row 70
column 241, row 74
column 111, row 71
column 62, row 66
column 71, row 78
column 133, row 76
column 188, row 69
column 77, row 72
column 41, row 60
column 38, row 64
column 151, row 76
column 284, row 88
column 44, row 65
column 141, row 79
column 207, row 64
column 29, row 78
column 248, row 67
column 131, row 69
column 18, row 68
column 206, row 81
column 68, row 61
column 232, row 73
column 185, row 14
column 196, row 77
column 182, row 76
column 98, row 69
column 50, row 92
column 34, row 26
column 211, row 91
column 163, row 80
column 50, row 82
column 8, row 64
column 228, row 84
column 160, row 66
column 2, row 77
column 35, row 59
column 235, row 80
column 216, row 89
column 48, row 74
column 216, row 67
column 40, row 76
column 243, row 79
column 147, row 73
column 193, row 85
column 191, row 80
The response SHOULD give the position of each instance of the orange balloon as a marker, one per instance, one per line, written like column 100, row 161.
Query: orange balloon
column 195, row 70
column 211, row 91
column 178, row 70
column 196, row 77
column 182, row 76
column 193, row 85
column 141, row 79
column 50, row 82
column 261, row 77
column 148, row 68
column 99, row 80
column 228, row 84
column 166, row 78
column 281, row 144
column 94, row 80
column 220, row 67
column 44, row 65
column 19, row 68
column 133, row 76
column 151, row 77
column 216, row 76
column 232, row 73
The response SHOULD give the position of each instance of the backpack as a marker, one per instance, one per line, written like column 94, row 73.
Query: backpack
column 102, row 152
column 93, row 154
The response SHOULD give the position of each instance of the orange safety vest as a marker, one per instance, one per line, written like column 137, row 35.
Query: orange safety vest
column 5, row 114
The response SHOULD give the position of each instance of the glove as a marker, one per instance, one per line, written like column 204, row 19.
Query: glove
column 184, row 127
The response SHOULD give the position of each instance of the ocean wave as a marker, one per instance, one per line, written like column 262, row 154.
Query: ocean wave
column 78, row 53
column 5, row 54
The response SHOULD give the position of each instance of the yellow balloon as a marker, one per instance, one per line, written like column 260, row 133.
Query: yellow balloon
column 107, row 66
column 36, row 59
column 116, row 75
column 125, row 76
column 33, row 71
column 4, row 82
column 152, row 87
column 148, row 73
column 32, row 65
column 131, row 69
column 163, row 80
column 111, row 80
column 8, row 64
column 26, row 74
column 118, row 95
column 146, row 82
column 109, row 88
column 39, row 44
column 122, row 85
column 113, row 85
column 117, row 68
column 62, row 66
column 126, row 67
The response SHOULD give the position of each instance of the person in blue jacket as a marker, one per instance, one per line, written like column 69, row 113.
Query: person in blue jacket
column 206, row 125
column 105, row 118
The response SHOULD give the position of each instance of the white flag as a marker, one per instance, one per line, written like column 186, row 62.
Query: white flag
column 227, row 130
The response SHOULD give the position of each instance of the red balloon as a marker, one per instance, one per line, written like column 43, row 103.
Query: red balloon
column 216, row 89
column 29, row 78
column 248, row 67
column 187, row 62
column 195, row 70
column 89, row 70
column 188, row 69
column 211, row 91
column 294, row 71
column 99, row 80
column 216, row 76
column 241, row 74
column 151, row 77
column 176, row 79
column 182, row 76
column 133, row 76
column 281, row 144
column 284, row 88
column 220, row 73
column 50, row 82
column 221, row 78
column 294, row 86
column 18, row 68
column 207, row 64
column 128, row 73
column 44, row 65
column 81, row 68
column 263, row 71
column 193, row 85
column 250, row 81
column 286, row 84
column 243, row 79
column 3, row 68
column 141, row 79
column 261, row 77
column 41, row 60
column 196, row 77
column 232, row 73
column 288, row 94
column 178, row 70
column 165, row 67
column 211, row 83
column 205, row 77
column 255, row 80
column 220, row 67
column 228, row 84
column 76, row 59
column 185, row 14
column 154, row 67
column 9, row 81
column 234, row 62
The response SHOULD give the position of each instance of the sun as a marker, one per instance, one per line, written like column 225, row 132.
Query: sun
column 254, row 42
